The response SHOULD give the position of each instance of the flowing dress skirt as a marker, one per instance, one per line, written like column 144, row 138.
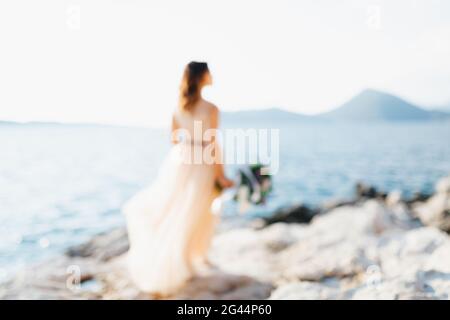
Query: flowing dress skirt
column 170, row 224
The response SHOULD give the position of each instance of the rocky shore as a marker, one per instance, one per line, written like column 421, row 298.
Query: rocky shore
column 376, row 246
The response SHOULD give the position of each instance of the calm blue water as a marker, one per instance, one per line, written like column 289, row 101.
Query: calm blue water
column 61, row 184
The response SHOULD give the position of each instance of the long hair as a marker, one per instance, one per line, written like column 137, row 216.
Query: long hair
column 190, row 84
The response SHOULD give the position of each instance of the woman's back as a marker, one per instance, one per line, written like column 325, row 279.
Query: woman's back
column 198, row 120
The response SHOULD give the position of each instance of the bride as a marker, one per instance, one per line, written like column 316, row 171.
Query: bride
column 170, row 223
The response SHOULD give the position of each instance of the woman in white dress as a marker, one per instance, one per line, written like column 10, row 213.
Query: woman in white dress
column 170, row 223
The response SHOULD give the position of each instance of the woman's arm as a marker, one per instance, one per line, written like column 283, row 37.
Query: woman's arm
column 218, row 163
column 174, row 139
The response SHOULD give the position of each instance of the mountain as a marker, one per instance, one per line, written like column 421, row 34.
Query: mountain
column 30, row 123
column 376, row 106
column 7, row 123
column 272, row 117
column 368, row 106
column 442, row 108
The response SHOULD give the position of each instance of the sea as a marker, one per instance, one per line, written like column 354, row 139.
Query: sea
column 62, row 184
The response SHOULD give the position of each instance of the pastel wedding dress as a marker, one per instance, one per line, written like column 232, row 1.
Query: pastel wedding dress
column 170, row 223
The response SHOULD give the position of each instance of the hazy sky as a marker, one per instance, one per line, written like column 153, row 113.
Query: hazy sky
column 120, row 61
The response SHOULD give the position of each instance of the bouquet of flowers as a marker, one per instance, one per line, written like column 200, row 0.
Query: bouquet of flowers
column 253, row 185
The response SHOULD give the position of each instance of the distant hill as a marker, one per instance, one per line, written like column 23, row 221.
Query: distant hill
column 376, row 106
column 7, row 123
column 442, row 108
column 368, row 106
column 30, row 123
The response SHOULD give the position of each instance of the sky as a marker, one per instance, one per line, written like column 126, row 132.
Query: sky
column 120, row 61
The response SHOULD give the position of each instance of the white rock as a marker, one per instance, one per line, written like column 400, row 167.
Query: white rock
column 352, row 252
column 436, row 211
column 304, row 290
column 394, row 198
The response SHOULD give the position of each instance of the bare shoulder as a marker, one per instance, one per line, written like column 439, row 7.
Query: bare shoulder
column 211, row 107
column 175, row 115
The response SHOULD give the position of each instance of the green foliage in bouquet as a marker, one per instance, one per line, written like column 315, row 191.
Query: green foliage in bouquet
column 254, row 184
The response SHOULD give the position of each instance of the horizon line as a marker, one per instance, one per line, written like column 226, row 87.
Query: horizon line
column 130, row 125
